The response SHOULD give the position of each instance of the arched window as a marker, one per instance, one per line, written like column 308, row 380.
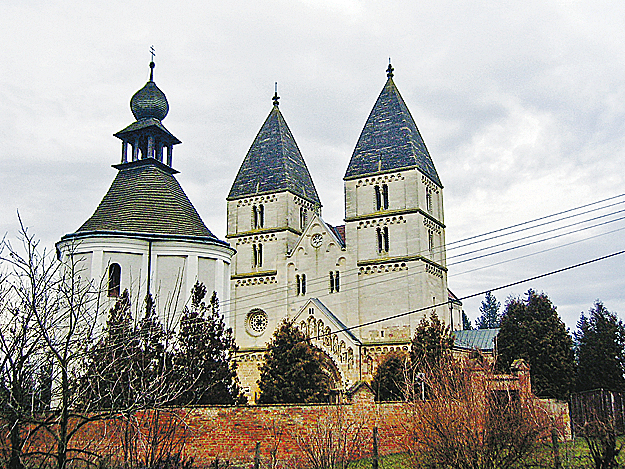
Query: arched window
column 334, row 282
column 257, row 255
column 299, row 284
column 385, row 196
column 386, row 242
column 383, row 241
column 302, row 218
column 303, row 284
column 428, row 200
column 431, row 241
column 258, row 216
column 381, row 197
column 115, row 275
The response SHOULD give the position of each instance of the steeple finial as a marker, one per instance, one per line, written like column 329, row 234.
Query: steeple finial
column 276, row 98
column 389, row 70
column 152, row 64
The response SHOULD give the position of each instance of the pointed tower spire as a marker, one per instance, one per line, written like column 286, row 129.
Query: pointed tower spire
column 274, row 163
column 390, row 139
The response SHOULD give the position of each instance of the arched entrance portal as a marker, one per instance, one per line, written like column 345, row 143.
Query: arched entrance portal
column 331, row 369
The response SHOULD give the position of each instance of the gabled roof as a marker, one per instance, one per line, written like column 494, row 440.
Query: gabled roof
column 481, row 339
column 336, row 322
column 274, row 164
column 145, row 198
column 329, row 229
column 390, row 140
column 339, row 232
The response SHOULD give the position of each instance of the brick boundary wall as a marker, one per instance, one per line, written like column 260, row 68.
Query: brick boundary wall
column 231, row 433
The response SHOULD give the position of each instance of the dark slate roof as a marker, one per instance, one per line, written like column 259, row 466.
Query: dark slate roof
column 274, row 164
column 481, row 339
column 149, row 101
column 147, row 123
column 146, row 198
column 390, row 140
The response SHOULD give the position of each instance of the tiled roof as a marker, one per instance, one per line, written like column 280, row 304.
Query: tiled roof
column 390, row 140
column 274, row 164
column 339, row 231
column 481, row 339
column 146, row 198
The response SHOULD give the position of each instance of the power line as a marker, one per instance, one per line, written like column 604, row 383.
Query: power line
column 320, row 280
column 466, row 297
column 538, row 219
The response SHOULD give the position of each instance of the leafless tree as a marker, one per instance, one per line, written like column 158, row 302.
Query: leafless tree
column 28, row 278
column 334, row 440
column 468, row 421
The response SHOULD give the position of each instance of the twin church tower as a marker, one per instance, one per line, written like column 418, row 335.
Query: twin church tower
column 339, row 284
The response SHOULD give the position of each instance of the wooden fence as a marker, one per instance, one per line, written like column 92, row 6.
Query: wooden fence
column 599, row 404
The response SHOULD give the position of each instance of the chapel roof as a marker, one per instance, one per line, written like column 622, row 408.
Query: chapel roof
column 390, row 139
column 274, row 163
column 480, row 339
column 145, row 198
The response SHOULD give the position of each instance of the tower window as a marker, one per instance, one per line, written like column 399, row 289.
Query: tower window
column 385, row 196
column 385, row 235
column 258, row 216
column 431, row 241
column 302, row 218
column 429, row 200
column 257, row 255
column 381, row 197
column 115, row 274
column 383, row 239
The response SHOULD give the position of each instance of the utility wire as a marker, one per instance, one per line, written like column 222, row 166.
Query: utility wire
column 323, row 280
column 466, row 297
column 537, row 219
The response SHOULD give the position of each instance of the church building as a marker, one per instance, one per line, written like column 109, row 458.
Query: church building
column 358, row 290
column 146, row 236
column 349, row 287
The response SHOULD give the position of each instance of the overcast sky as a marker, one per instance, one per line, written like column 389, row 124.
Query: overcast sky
column 521, row 105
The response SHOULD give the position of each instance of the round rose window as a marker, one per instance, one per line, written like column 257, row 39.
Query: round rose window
column 256, row 322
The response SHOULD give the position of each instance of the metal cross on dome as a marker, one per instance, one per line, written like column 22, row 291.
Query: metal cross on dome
column 152, row 52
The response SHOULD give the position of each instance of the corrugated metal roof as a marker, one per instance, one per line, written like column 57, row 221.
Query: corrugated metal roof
column 481, row 339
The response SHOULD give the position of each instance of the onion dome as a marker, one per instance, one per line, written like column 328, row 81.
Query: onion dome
column 149, row 101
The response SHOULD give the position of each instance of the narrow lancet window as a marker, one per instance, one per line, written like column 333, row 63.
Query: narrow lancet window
column 115, row 274
column 385, row 196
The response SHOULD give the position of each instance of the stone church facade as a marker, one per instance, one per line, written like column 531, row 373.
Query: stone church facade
column 350, row 287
